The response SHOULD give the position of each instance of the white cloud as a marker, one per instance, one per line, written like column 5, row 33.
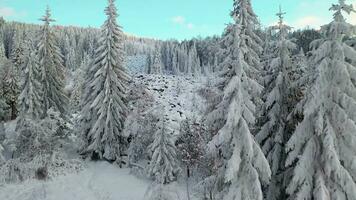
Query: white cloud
column 309, row 21
column 7, row 12
column 180, row 20
column 352, row 17
column 190, row 26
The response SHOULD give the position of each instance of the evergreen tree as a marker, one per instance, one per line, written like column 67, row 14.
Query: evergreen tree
column 11, row 87
column 245, row 168
column 52, row 69
column 2, row 50
column 189, row 144
column 30, row 99
column 299, row 81
column 190, row 147
column 268, row 54
column 274, row 132
column 322, row 148
column 175, row 66
column 40, row 137
column 2, row 158
column 78, row 86
column 164, row 164
column 2, row 139
column 104, row 101
column 193, row 61
column 157, row 62
column 18, row 54
column 3, row 106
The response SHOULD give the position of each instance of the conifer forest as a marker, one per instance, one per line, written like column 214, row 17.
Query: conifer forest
column 254, row 113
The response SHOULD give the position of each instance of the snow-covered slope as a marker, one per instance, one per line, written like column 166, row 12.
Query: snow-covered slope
column 179, row 99
column 178, row 96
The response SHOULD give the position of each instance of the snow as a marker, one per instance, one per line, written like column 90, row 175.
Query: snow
column 177, row 95
column 299, row 144
column 136, row 63
column 99, row 181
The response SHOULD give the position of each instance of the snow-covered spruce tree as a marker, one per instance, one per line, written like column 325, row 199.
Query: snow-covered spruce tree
column 189, row 144
column 299, row 82
column 190, row 147
column 2, row 49
column 4, row 107
column 269, row 52
column 148, row 66
column 38, row 138
column 245, row 167
column 175, row 66
column 193, row 61
column 216, row 118
column 2, row 158
column 11, row 87
column 163, row 166
column 156, row 67
column 39, row 146
column 104, row 101
column 2, row 139
column 30, row 99
column 18, row 53
column 52, row 69
column 70, row 59
column 140, row 129
column 78, row 84
column 322, row 148
column 273, row 134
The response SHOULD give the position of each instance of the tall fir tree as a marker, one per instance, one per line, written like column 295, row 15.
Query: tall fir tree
column 3, row 106
column 2, row 139
column 18, row 51
column 30, row 100
column 11, row 88
column 52, row 69
column 157, row 61
column 322, row 148
column 193, row 61
column 78, row 85
column 245, row 167
column 104, row 101
column 273, row 134
column 2, row 49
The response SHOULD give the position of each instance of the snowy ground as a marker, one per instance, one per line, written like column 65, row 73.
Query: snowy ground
column 100, row 181
column 177, row 95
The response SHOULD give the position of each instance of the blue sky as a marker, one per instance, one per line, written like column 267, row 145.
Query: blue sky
column 164, row 19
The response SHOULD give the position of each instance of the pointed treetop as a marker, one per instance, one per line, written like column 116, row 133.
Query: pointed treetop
column 280, row 14
column 47, row 17
column 281, row 27
column 242, row 9
column 338, row 8
column 111, row 10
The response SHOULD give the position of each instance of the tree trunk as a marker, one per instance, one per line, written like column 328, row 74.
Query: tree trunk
column 13, row 111
column 188, row 175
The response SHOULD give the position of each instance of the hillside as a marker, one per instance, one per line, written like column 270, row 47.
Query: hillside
column 176, row 95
